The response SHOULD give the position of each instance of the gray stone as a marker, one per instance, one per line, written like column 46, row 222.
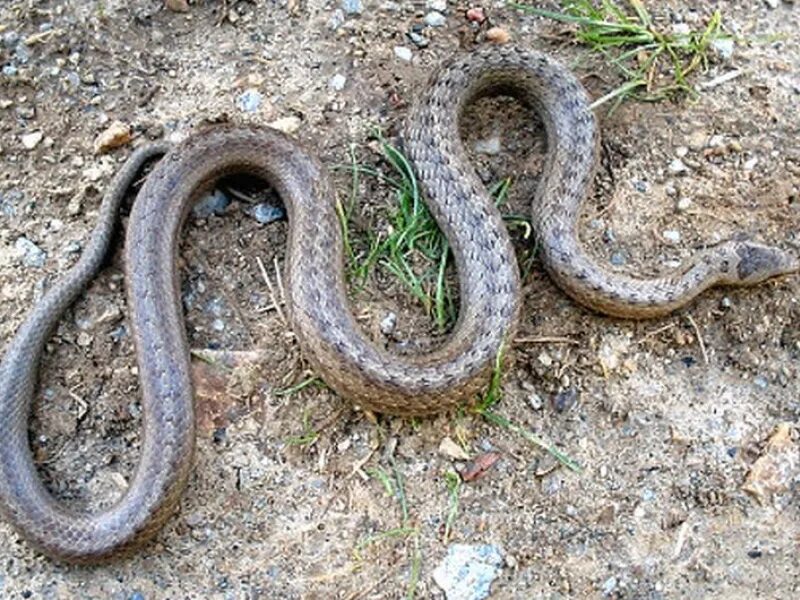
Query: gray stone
column 337, row 82
column 490, row 146
column 420, row 41
column 671, row 235
column 467, row 572
column 266, row 213
column 403, row 53
column 214, row 203
column 30, row 253
column 388, row 323
column 352, row 7
column 677, row 167
column 435, row 19
column 249, row 101
column 437, row 5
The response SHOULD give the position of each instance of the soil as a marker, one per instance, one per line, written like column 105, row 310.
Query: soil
column 666, row 417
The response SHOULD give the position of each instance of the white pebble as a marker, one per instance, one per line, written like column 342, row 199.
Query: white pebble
column 31, row 140
column 337, row 82
column 672, row 236
column 677, row 166
column 435, row 19
column 403, row 53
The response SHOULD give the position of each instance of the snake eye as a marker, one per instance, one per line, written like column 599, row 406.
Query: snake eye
column 725, row 266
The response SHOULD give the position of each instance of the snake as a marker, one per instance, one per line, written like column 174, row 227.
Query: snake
column 316, row 294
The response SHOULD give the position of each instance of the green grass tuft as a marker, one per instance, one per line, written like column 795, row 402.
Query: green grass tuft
column 413, row 248
column 655, row 61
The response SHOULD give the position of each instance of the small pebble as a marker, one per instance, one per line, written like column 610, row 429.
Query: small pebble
column 683, row 204
column 337, row 82
column 403, row 53
column 761, row 382
column 266, row 213
column 336, row 20
column 435, row 19
column 617, row 259
column 9, row 70
column 497, row 35
column 180, row 6
column 535, row 401
column 697, row 140
column 249, row 101
column 671, row 235
column 724, row 47
column 726, row 302
column 681, row 151
column 420, row 41
column 352, row 7
column 476, row 15
column 772, row 3
column 30, row 253
column 31, row 140
column 489, row 146
column 388, row 323
column 286, row 124
column 467, row 572
column 437, row 5
column 115, row 135
column 214, row 203
column 565, row 400
column 678, row 167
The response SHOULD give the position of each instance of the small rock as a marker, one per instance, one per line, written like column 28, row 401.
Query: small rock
column 337, row 19
column 437, row 5
column 403, row 53
column 420, row 41
column 352, row 7
column 180, row 6
column 490, row 146
column 388, row 323
column 214, row 203
column 476, row 15
column 724, row 47
column 287, row 125
column 117, row 134
column 683, row 204
column 497, row 35
column 618, row 259
column 9, row 70
column 266, row 213
column 136, row 596
column 435, row 19
column 249, row 101
column 30, row 254
column 452, row 450
column 535, row 401
column 672, row 236
column 772, row 3
column 726, row 302
column 677, row 167
column 761, row 382
column 681, row 151
column 778, row 466
column 31, row 140
column 337, row 82
column 697, row 140
column 467, row 572
column 565, row 400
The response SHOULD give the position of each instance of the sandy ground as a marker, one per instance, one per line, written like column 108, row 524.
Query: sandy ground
column 666, row 417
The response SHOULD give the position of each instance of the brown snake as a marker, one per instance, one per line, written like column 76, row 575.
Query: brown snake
column 321, row 318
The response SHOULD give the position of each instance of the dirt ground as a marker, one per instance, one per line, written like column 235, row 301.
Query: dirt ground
column 666, row 417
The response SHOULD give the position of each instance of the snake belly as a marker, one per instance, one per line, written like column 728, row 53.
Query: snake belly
column 320, row 313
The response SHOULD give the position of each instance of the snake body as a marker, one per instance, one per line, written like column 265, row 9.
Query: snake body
column 320, row 314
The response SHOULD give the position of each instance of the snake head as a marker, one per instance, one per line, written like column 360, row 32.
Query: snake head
column 756, row 263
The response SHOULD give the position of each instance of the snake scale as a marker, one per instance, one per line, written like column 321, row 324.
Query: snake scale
column 321, row 318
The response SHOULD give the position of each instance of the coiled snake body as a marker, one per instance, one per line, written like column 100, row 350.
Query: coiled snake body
column 321, row 318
